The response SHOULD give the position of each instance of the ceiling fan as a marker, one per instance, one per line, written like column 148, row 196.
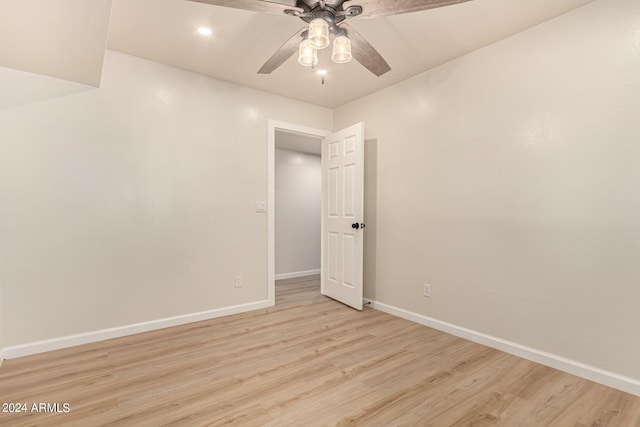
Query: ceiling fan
column 328, row 17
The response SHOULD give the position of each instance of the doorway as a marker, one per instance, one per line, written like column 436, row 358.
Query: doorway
column 298, row 208
column 289, row 138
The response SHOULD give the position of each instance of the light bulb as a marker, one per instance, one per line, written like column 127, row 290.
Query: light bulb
column 308, row 55
column 319, row 33
column 341, row 50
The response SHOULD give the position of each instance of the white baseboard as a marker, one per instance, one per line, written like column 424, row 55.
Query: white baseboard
column 297, row 274
column 610, row 379
column 1, row 356
column 121, row 331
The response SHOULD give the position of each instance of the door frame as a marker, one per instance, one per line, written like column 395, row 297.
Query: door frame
column 274, row 125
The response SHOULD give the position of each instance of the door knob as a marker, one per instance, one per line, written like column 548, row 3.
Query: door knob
column 355, row 225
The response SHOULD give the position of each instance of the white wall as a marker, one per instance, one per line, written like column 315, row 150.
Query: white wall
column 298, row 197
column 135, row 201
column 508, row 179
column 1, row 322
column 370, row 218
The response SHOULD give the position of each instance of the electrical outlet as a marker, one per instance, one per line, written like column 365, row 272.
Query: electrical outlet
column 426, row 291
column 238, row 281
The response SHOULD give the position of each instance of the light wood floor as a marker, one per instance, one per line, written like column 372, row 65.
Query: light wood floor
column 309, row 361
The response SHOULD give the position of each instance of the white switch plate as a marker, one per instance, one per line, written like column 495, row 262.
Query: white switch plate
column 238, row 283
column 427, row 290
column 261, row 206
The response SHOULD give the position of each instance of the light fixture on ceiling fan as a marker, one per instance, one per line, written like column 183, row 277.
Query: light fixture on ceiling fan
column 322, row 23
column 327, row 18
column 309, row 46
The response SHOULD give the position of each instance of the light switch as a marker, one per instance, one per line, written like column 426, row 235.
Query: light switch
column 261, row 206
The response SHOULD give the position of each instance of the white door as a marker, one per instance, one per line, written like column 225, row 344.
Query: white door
column 342, row 215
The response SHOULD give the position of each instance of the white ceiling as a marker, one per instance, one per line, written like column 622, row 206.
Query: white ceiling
column 66, row 39
column 58, row 38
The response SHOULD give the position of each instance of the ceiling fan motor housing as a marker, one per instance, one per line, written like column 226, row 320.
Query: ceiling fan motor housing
column 332, row 12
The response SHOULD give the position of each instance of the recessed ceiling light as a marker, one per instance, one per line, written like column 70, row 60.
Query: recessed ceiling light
column 321, row 72
column 205, row 31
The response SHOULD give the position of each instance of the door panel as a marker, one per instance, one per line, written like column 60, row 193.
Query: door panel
column 349, row 251
column 333, row 192
column 332, row 251
column 342, row 206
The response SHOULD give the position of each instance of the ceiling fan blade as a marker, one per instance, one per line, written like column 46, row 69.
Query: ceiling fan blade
column 283, row 53
column 253, row 5
column 364, row 53
column 375, row 8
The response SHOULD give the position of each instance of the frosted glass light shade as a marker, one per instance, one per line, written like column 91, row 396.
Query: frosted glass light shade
column 319, row 33
column 307, row 55
column 341, row 50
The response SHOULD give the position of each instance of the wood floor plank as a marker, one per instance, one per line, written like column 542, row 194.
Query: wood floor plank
column 307, row 361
